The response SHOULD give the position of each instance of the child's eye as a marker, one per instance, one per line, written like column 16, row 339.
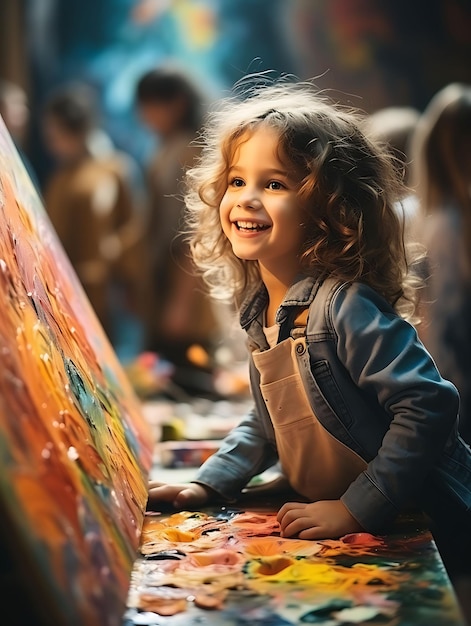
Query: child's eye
column 236, row 182
column 275, row 185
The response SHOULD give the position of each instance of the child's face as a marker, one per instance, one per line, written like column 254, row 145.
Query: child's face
column 260, row 212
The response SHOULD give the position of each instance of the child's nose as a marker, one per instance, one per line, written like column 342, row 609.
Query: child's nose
column 249, row 198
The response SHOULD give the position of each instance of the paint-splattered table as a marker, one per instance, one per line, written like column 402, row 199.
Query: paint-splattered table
column 230, row 567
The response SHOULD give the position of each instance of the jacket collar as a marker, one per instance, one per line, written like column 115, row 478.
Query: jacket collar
column 299, row 295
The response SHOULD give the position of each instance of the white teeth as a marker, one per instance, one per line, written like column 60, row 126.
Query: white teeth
column 251, row 226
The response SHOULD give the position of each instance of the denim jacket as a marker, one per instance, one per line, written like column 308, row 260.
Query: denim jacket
column 373, row 386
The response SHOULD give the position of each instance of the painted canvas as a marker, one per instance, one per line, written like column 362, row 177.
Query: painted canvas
column 74, row 449
column 230, row 567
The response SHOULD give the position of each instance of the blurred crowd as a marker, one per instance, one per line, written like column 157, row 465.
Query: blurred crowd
column 122, row 224
column 433, row 150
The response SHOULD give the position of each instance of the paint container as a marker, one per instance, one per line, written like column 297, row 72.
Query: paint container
column 175, row 454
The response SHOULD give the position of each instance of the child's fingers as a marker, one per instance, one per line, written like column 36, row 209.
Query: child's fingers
column 298, row 518
column 314, row 532
column 289, row 512
column 188, row 497
column 297, row 526
column 287, row 508
column 179, row 496
column 164, row 493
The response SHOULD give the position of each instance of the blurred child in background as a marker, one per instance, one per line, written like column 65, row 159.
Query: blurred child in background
column 181, row 323
column 14, row 110
column 91, row 203
column 395, row 127
column 442, row 168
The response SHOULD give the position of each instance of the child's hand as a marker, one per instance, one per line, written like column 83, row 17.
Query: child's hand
column 326, row 519
column 179, row 496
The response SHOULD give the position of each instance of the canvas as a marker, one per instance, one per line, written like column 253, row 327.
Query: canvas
column 74, row 449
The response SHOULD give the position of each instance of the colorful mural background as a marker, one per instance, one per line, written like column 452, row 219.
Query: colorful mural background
column 231, row 567
column 373, row 54
column 74, row 449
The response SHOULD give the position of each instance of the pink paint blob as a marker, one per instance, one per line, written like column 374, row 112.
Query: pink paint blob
column 362, row 539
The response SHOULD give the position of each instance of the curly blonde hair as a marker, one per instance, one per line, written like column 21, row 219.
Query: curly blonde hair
column 348, row 185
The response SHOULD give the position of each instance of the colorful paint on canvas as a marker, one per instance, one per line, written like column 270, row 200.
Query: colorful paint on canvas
column 74, row 449
column 232, row 567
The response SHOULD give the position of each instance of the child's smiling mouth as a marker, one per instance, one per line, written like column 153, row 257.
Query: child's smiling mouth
column 247, row 226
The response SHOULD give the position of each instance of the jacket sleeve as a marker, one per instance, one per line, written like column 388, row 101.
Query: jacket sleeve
column 386, row 360
column 245, row 452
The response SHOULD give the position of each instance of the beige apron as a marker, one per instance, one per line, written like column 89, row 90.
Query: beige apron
column 317, row 465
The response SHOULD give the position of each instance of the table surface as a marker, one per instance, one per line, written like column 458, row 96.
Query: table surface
column 229, row 566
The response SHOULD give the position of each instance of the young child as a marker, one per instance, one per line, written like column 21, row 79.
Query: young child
column 292, row 210
column 180, row 314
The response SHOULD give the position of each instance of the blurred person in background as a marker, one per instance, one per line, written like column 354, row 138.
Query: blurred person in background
column 182, row 325
column 441, row 151
column 14, row 110
column 93, row 207
column 395, row 127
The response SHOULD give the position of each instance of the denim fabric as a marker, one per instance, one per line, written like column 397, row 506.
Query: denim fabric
column 373, row 386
